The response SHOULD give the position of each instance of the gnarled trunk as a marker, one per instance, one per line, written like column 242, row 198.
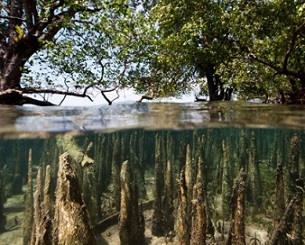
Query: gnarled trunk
column 28, row 27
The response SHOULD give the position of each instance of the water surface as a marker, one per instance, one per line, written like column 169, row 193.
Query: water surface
column 49, row 120
column 212, row 140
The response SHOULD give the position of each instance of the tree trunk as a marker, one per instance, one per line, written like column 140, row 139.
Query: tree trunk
column 215, row 85
column 17, row 51
column 28, row 27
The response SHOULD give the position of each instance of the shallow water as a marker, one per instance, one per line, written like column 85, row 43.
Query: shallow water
column 266, row 141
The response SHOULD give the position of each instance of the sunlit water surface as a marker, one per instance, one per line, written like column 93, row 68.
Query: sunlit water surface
column 42, row 121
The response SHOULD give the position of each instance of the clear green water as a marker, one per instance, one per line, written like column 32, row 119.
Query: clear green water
column 266, row 141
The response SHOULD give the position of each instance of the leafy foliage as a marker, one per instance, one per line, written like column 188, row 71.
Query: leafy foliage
column 272, row 39
column 108, row 48
column 257, row 47
column 165, row 47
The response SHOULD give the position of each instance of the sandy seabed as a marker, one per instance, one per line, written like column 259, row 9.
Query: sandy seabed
column 14, row 209
column 111, row 235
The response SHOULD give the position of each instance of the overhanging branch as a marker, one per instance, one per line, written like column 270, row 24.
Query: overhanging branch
column 15, row 97
column 67, row 93
column 51, row 91
column 279, row 70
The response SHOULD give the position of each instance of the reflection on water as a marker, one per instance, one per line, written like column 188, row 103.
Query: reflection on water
column 222, row 173
column 43, row 121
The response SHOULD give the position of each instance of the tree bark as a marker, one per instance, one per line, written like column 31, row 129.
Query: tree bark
column 68, row 143
column 199, row 213
column 237, row 227
column 29, row 212
column 282, row 227
column 115, row 172
column 71, row 216
column 131, row 220
column 18, row 42
column 297, row 225
column 168, row 200
column 158, row 224
column 183, row 219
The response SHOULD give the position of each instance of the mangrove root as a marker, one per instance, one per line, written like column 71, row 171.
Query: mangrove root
column 71, row 215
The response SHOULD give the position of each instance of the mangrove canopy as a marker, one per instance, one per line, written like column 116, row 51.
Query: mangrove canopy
column 218, row 49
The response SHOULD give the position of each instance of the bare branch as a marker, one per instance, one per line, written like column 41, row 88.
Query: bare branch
column 145, row 97
column 51, row 91
column 10, row 91
column 90, row 86
column 11, row 18
column 103, row 68
column 63, row 99
column 118, row 96
column 106, row 98
column 28, row 100
column 67, row 93
column 103, row 91
column 109, row 90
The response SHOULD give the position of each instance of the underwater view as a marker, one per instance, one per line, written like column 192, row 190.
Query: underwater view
column 153, row 173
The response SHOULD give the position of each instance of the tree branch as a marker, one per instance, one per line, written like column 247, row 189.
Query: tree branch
column 108, row 91
column 67, row 93
column 15, row 97
column 51, row 91
column 90, row 86
column 63, row 99
column 292, row 45
column 11, row 17
column 279, row 70
column 30, row 13
column 28, row 100
column 106, row 98
column 145, row 97
column 267, row 63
